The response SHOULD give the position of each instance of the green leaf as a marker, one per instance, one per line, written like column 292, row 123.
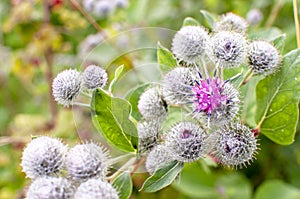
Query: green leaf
column 265, row 33
column 162, row 177
column 236, row 75
column 248, row 98
column 137, row 11
column 189, row 21
column 118, row 72
column 277, row 101
column 209, row 18
column 133, row 97
column 196, row 183
column 111, row 119
column 175, row 114
column 123, row 185
column 165, row 59
column 234, row 186
column 276, row 189
column 279, row 42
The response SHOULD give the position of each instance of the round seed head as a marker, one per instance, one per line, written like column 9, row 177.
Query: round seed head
column 88, row 5
column 158, row 156
column 50, row 188
column 90, row 42
column 148, row 131
column 254, row 16
column 66, row 87
column 215, row 99
column 177, row 85
column 231, row 22
column 103, row 8
column 95, row 189
column 189, row 43
column 152, row 105
column 263, row 57
column 121, row 3
column 43, row 156
column 186, row 142
column 228, row 49
column 236, row 145
column 86, row 161
column 94, row 77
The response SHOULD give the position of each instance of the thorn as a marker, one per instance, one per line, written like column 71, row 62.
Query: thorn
column 228, row 80
column 215, row 72
column 200, row 75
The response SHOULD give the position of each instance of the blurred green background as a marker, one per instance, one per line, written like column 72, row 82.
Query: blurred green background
column 40, row 38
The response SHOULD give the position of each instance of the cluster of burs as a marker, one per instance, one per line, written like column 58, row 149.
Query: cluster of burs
column 103, row 8
column 210, row 124
column 62, row 173
column 59, row 173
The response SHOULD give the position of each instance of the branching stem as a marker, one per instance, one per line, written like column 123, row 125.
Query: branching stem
column 247, row 77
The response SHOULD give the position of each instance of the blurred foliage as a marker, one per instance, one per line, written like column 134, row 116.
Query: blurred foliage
column 28, row 38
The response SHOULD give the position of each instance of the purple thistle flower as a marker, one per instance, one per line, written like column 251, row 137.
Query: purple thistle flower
column 209, row 95
column 216, row 99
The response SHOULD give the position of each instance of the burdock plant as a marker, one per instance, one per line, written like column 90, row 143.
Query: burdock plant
column 200, row 112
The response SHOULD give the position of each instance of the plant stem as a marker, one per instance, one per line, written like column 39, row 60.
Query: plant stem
column 82, row 104
column 123, row 168
column 275, row 11
column 49, row 75
column 88, row 17
column 120, row 158
column 137, row 165
column 87, row 94
column 296, row 22
column 248, row 76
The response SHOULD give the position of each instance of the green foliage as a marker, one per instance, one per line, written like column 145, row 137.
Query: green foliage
column 277, row 189
column 270, row 103
column 111, row 118
column 162, row 177
column 279, row 42
column 165, row 59
column 118, row 72
column 195, row 182
column 277, row 99
column 210, row 19
column 133, row 97
column 123, row 185
column 189, row 21
column 175, row 114
column 249, row 105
